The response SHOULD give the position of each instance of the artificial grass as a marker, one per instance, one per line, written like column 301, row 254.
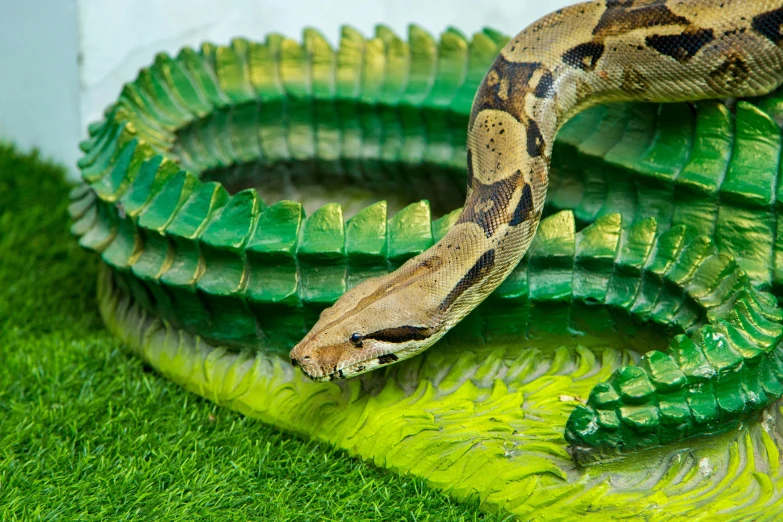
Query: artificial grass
column 89, row 432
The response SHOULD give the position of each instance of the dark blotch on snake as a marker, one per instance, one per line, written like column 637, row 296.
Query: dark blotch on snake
column 584, row 56
column 546, row 86
column 387, row 358
column 488, row 203
column 401, row 334
column 682, row 47
column 535, row 141
column 768, row 25
column 504, row 88
column 473, row 276
column 524, row 207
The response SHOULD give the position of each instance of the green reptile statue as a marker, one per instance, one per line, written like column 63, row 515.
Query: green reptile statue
column 621, row 357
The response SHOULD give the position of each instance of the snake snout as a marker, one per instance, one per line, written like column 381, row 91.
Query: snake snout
column 308, row 366
column 295, row 360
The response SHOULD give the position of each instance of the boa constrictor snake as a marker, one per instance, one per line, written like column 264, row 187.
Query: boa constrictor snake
column 579, row 56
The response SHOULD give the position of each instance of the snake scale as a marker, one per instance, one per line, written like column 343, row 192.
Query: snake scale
column 598, row 52
column 671, row 249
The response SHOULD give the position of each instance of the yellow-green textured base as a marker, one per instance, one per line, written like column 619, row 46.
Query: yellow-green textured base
column 478, row 421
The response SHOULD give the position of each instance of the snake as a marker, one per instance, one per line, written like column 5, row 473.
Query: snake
column 579, row 56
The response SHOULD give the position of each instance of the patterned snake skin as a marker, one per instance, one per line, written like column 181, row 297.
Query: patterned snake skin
column 577, row 57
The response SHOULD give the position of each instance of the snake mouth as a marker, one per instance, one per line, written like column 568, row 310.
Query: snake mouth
column 313, row 372
column 316, row 373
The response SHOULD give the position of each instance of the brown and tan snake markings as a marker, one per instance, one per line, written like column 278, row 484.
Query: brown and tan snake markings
column 546, row 86
column 524, row 207
column 634, row 81
column 388, row 358
column 505, row 86
column 477, row 272
column 682, row 47
column 769, row 25
column 400, row 334
column 732, row 72
column 582, row 55
column 536, row 145
column 490, row 202
column 622, row 16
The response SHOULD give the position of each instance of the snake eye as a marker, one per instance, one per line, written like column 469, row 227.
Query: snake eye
column 356, row 339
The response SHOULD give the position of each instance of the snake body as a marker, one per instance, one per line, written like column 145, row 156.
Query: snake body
column 590, row 53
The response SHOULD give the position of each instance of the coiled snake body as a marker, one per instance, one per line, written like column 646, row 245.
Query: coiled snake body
column 596, row 52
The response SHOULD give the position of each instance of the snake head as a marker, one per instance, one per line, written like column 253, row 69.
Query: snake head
column 378, row 322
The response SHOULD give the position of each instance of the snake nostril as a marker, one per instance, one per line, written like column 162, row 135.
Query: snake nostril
column 306, row 357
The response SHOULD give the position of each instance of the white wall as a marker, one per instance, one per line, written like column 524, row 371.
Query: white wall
column 39, row 76
column 53, row 100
